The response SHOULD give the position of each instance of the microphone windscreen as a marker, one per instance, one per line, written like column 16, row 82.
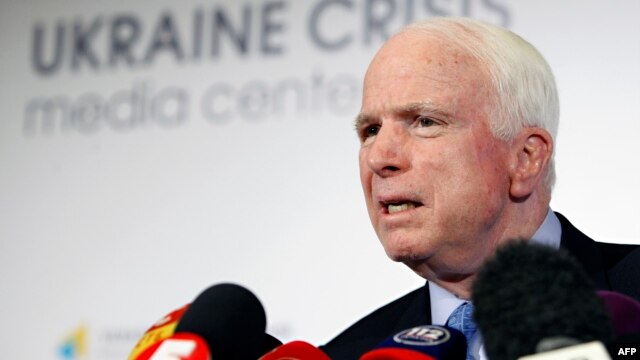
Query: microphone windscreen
column 230, row 319
column 624, row 312
column 269, row 343
column 527, row 293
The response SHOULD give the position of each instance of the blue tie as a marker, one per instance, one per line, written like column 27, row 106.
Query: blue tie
column 461, row 319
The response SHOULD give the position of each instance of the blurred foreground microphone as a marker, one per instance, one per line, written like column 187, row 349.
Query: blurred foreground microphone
column 531, row 298
column 625, row 318
column 162, row 329
column 224, row 322
column 624, row 311
column 427, row 342
column 296, row 350
column 180, row 346
column 230, row 319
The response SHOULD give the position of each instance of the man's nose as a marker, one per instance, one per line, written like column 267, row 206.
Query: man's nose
column 387, row 154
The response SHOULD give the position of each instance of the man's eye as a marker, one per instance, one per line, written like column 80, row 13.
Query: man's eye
column 371, row 130
column 426, row 122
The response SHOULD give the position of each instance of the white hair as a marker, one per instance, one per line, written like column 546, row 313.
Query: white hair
column 524, row 85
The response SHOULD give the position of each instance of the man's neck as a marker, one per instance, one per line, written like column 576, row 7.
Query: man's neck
column 523, row 223
column 547, row 233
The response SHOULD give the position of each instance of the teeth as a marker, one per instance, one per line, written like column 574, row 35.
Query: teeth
column 394, row 208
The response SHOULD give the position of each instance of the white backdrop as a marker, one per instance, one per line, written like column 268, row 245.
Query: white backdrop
column 142, row 161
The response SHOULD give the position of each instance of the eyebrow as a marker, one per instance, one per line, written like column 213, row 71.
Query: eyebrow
column 361, row 119
column 422, row 107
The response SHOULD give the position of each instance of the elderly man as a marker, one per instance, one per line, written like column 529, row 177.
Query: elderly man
column 457, row 132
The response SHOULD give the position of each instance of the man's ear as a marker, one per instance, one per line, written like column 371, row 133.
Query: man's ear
column 532, row 150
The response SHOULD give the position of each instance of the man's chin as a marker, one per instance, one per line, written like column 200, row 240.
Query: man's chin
column 407, row 256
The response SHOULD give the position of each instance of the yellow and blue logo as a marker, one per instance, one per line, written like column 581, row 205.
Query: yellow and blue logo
column 74, row 346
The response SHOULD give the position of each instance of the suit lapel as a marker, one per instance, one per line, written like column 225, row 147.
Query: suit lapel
column 417, row 313
column 585, row 250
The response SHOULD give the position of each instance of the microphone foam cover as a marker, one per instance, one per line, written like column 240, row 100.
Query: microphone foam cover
column 269, row 343
column 230, row 319
column 624, row 311
column 528, row 292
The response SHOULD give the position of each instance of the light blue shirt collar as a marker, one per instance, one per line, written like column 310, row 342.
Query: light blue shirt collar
column 550, row 232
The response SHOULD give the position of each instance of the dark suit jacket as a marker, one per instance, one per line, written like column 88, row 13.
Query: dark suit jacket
column 611, row 266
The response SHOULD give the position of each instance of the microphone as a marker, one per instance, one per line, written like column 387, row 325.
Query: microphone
column 225, row 321
column 530, row 296
column 230, row 319
column 269, row 343
column 296, row 350
column 625, row 319
column 426, row 342
column 624, row 312
column 593, row 350
column 183, row 346
column 160, row 330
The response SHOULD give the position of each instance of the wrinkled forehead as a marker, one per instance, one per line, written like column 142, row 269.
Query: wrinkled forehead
column 418, row 50
column 416, row 67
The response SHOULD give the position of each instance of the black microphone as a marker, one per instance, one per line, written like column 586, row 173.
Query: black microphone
column 232, row 322
column 268, row 344
column 529, row 295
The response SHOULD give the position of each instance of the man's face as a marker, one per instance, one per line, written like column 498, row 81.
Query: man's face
column 434, row 177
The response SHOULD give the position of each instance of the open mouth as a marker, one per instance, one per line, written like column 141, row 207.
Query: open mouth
column 393, row 207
